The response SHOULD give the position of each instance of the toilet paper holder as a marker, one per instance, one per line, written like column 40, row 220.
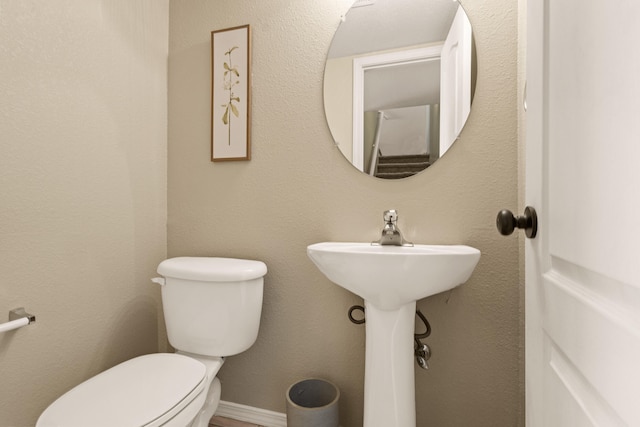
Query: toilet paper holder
column 18, row 318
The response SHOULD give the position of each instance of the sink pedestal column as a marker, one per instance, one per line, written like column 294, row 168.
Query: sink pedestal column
column 389, row 381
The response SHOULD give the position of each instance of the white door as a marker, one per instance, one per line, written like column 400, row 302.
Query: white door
column 583, row 177
column 455, row 80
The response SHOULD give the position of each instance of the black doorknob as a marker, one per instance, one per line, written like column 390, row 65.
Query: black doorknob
column 507, row 222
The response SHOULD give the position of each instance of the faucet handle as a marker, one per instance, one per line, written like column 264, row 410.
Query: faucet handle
column 390, row 216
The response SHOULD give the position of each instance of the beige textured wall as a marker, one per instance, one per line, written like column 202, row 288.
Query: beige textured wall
column 298, row 189
column 82, row 191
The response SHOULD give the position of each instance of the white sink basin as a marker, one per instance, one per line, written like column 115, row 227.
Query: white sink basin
column 391, row 279
column 391, row 276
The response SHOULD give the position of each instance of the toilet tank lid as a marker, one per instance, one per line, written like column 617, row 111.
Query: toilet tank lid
column 212, row 269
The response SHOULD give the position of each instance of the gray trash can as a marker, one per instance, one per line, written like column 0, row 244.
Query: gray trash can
column 313, row 403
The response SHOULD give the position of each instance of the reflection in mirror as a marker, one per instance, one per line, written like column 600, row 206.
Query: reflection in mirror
column 398, row 83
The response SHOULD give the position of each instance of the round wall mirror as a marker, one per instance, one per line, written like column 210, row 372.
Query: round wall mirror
column 398, row 83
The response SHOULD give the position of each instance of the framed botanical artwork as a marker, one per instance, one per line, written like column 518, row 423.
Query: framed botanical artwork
column 231, row 94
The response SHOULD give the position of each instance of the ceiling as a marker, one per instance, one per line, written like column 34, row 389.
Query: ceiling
column 391, row 24
column 381, row 25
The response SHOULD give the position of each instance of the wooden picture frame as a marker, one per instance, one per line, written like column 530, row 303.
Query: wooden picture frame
column 231, row 94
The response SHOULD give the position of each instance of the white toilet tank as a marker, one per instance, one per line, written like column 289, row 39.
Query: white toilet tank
column 212, row 306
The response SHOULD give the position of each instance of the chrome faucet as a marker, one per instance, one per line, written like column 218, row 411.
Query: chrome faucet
column 391, row 234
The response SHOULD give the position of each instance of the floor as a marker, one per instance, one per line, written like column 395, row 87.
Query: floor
column 228, row 422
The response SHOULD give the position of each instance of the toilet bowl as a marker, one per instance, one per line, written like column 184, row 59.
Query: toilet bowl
column 212, row 310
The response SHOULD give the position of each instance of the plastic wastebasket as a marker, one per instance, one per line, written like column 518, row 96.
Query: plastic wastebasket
column 313, row 403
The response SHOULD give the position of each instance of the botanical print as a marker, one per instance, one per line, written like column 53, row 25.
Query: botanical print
column 231, row 79
column 230, row 94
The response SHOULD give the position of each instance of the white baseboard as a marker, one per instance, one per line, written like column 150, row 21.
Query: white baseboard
column 261, row 417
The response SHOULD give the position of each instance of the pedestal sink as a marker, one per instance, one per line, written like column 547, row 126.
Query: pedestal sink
column 391, row 279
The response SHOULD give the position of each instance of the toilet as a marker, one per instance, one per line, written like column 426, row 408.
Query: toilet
column 212, row 310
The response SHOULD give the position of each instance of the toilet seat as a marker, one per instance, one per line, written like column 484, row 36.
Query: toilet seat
column 146, row 391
